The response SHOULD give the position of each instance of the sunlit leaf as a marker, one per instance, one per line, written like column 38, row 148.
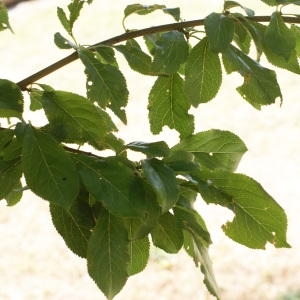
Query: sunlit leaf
column 4, row 20
column 63, row 43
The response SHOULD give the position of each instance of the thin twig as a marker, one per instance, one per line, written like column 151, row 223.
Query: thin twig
column 130, row 35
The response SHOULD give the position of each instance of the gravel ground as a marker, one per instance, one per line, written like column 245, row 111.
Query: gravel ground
column 35, row 263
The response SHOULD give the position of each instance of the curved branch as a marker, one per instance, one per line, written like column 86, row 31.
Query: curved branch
column 130, row 35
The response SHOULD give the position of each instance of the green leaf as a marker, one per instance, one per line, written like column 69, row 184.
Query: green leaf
column 163, row 179
column 258, row 218
column 62, row 42
column 171, row 51
column 296, row 31
column 36, row 99
column 230, row 4
column 108, row 256
column 141, row 9
column 159, row 149
column 10, row 174
column 83, row 120
column 203, row 74
column 214, row 149
column 181, row 162
column 168, row 105
column 4, row 21
column 270, row 2
column 174, row 12
column 138, row 60
column 13, row 150
column 74, row 225
column 113, row 183
column 64, row 20
column 11, row 100
column 260, row 85
column 167, row 235
column 49, row 171
column 105, row 84
column 15, row 195
column 187, row 196
column 138, row 249
column 219, row 30
column 74, row 8
column 242, row 37
column 107, row 55
column 279, row 37
column 150, row 41
column 6, row 136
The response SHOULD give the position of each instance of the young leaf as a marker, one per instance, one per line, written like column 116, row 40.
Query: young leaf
column 15, row 195
column 5, row 137
column 260, row 85
column 138, row 249
column 214, row 149
column 167, row 235
column 171, row 51
column 83, row 120
column 113, row 183
column 159, row 149
column 74, row 8
column 279, row 37
column 62, row 42
column 74, row 225
column 258, row 218
column 10, row 174
column 203, row 74
column 107, row 255
column 105, row 84
column 219, row 30
column 49, row 171
column 168, row 105
column 163, row 179
column 64, row 20
column 11, row 100
column 138, row 60
column 4, row 21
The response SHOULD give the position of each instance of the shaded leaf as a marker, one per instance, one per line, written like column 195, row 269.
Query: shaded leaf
column 214, row 149
column 62, row 42
column 49, row 171
column 159, row 149
column 230, row 4
column 36, row 99
column 181, row 162
column 203, row 74
column 13, row 150
column 108, row 256
column 5, row 137
column 105, row 84
column 171, row 51
column 242, row 37
column 166, row 234
column 174, row 12
column 107, row 55
column 168, row 105
column 15, row 195
column 163, row 179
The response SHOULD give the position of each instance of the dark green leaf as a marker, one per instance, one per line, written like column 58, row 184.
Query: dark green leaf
column 159, row 149
column 83, row 120
column 64, row 20
column 219, row 30
column 171, row 51
column 214, row 149
column 15, row 195
column 10, row 174
column 174, row 12
column 150, row 41
column 138, row 249
column 279, row 37
column 258, row 218
column 168, row 105
column 203, row 74
column 230, row 4
column 13, row 150
column 137, row 59
column 260, row 85
column 74, row 225
column 181, row 162
column 74, row 8
column 11, row 99
column 36, row 99
column 4, row 21
column 113, row 143
column 296, row 31
column 107, row 55
column 167, row 235
column 163, row 179
column 187, row 196
column 49, row 171
column 108, row 256
column 5, row 137
column 113, row 183
column 62, row 42
column 105, row 84
column 141, row 9
column 242, row 37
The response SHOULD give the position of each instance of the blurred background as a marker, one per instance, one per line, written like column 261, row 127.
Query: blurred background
column 35, row 262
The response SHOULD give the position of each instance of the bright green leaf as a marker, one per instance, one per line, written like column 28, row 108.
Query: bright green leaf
column 108, row 256
column 171, row 51
column 242, row 37
column 167, row 235
column 159, row 149
column 203, row 74
column 74, row 8
column 4, row 20
column 141, row 9
column 49, row 171
column 279, row 37
column 219, row 30
column 168, row 105
column 214, row 149
column 11, row 99
column 105, row 84
column 36, row 99
column 296, row 31
column 163, row 179
column 64, row 20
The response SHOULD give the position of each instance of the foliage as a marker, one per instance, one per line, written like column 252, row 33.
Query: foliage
column 109, row 208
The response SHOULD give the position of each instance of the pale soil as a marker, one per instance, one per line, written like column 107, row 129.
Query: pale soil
column 36, row 264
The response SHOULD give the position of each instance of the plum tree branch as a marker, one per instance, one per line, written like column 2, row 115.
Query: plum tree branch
column 130, row 35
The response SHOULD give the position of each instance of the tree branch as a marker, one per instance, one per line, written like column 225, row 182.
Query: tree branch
column 130, row 35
